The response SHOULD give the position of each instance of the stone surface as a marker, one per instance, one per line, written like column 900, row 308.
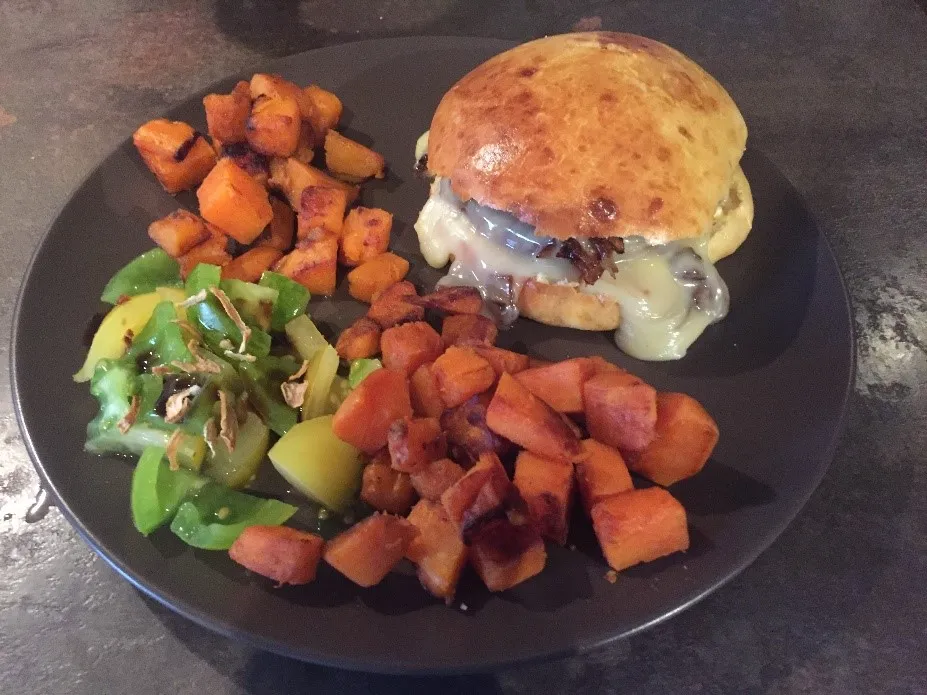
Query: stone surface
column 833, row 93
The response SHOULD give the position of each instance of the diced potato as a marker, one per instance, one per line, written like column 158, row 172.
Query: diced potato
column 318, row 463
column 415, row 442
column 409, row 346
column 255, row 164
column 367, row 551
column 423, row 390
column 601, row 474
column 454, row 299
column 461, row 374
column 321, row 207
column 214, row 252
column 387, row 489
column 468, row 436
column 365, row 417
column 505, row 555
column 179, row 232
column 468, row 329
column 274, row 125
column 344, row 156
column 291, row 177
column 621, row 410
column 279, row 233
column 227, row 114
column 479, row 495
column 313, row 263
column 431, row 481
column 438, row 552
column 560, row 385
column 280, row 553
column 375, row 275
column 639, row 526
column 546, row 486
column 175, row 153
column 328, row 108
column 396, row 304
column 359, row 340
column 502, row 361
column 521, row 417
column 233, row 201
column 685, row 437
column 249, row 266
column 365, row 235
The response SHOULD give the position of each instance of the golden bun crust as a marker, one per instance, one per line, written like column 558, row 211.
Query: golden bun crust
column 591, row 134
column 731, row 229
column 564, row 305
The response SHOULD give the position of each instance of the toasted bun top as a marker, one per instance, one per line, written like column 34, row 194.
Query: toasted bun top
column 591, row 134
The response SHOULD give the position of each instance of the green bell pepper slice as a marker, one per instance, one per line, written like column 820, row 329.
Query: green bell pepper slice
column 162, row 337
column 157, row 491
column 361, row 369
column 292, row 298
column 143, row 274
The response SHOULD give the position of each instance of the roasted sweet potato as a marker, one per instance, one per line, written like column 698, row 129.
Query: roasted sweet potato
column 364, row 418
column 327, row 108
column 431, row 481
column 437, row 551
column 454, row 299
column 321, row 207
column 250, row 265
column 291, row 177
column 685, row 437
column 639, row 526
column 367, row 551
column 603, row 365
column 179, row 232
column 233, row 201
column 365, row 235
column 345, row 157
column 518, row 415
column 460, row 374
column 560, row 385
column 313, row 263
column 502, row 361
column 468, row 436
column 360, row 339
column 538, row 362
column 308, row 141
column 280, row 553
column 227, row 114
column 393, row 306
column 274, row 86
column 546, row 486
column 408, row 346
column 274, row 125
column 255, row 164
column 621, row 410
column 415, row 442
column 601, row 474
column 375, row 275
column 480, row 494
column 279, row 233
column 386, row 489
column 213, row 251
column 423, row 389
column 505, row 554
column 178, row 155
column 468, row 329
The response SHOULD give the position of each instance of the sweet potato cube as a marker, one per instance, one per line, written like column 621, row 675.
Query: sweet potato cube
column 396, row 305
column 250, row 265
column 274, row 125
column 359, row 340
column 408, row 346
column 274, row 86
column 482, row 492
column 255, row 164
column 621, row 410
column 280, row 553
column 291, row 177
column 233, row 201
column 454, row 299
column 386, row 489
column 518, row 415
column 505, row 554
column 179, row 232
column 460, row 374
column 685, row 437
column 431, row 481
column 546, row 486
column 313, row 263
column 175, row 153
column 639, row 526
column 227, row 114
column 328, row 108
column 423, row 389
column 602, row 365
column 502, row 361
column 308, row 140
column 601, row 474
column 560, row 385
column 367, row 551
column 345, row 157
column 321, row 207
column 364, row 418
column 437, row 551
column 213, row 251
column 415, row 442
column 365, row 235
column 373, row 276
column 279, row 233
column 468, row 436
column 468, row 329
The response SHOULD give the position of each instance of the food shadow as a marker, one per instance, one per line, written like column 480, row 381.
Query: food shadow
column 721, row 489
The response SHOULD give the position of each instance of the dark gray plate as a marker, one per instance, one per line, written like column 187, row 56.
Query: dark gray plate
column 775, row 374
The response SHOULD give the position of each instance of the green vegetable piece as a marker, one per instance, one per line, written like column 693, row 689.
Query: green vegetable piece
column 150, row 270
column 255, row 303
column 234, row 469
column 157, row 491
column 339, row 391
column 319, row 377
column 292, row 299
column 162, row 337
column 266, row 399
column 113, row 385
column 202, row 409
column 202, row 277
column 190, row 451
column 305, row 337
column 361, row 369
column 215, row 516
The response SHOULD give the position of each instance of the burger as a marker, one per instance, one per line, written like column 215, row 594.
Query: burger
column 591, row 181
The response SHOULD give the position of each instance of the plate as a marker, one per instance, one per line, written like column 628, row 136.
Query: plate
column 775, row 374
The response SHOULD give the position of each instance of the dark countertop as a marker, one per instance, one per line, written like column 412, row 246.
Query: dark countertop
column 834, row 93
